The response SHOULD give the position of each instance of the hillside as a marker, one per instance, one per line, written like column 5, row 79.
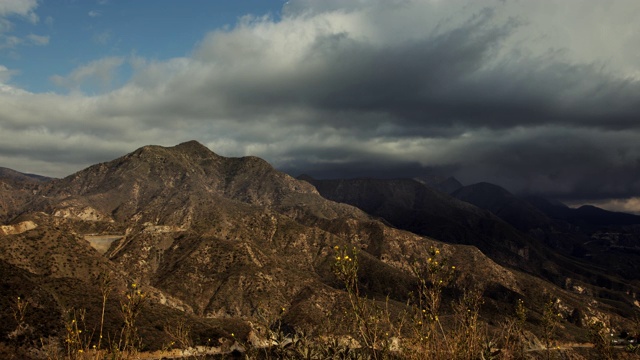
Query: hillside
column 230, row 242
column 509, row 230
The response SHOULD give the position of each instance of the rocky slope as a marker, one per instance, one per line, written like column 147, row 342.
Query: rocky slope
column 15, row 190
column 508, row 229
column 227, row 240
column 603, row 244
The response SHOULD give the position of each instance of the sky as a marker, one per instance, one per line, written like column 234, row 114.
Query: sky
column 540, row 97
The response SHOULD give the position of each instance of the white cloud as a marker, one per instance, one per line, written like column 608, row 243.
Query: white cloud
column 19, row 7
column 99, row 72
column 5, row 73
column 94, row 13
column 5, row 25
column 23, row 8
column 9, row 41
column 38, row 39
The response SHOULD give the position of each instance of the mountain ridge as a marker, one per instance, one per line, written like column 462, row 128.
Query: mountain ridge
column 233, row 239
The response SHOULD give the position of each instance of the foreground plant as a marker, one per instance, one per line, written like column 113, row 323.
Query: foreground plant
column 469, row 335
column 550, row 319
column 429, row 337
column 371, row 324
column 130, row 341
column 78, row 337
column 601, row 339
column 104, row 281
column 513, row 334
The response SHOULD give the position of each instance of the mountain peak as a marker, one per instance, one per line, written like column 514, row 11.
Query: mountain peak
column 443, row 184
column 10, row 174
column 191, row 149
column 305, row 177
column 192, row 145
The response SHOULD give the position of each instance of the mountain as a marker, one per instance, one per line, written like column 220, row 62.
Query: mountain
column 12, row 176
column 593, row 241
column 608, row 240
column 410, row 205
column 508, row 229
column 229, row 243
column 524, row 216
column 16, row 188
column 446, row 185
column 517, row 212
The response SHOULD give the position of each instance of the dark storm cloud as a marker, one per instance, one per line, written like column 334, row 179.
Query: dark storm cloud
column 447, row 80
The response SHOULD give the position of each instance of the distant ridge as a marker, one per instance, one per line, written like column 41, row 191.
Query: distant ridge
column 13, row 175
column 416, row 207
column 445, row 184
column 505, row 205
column 587, row 215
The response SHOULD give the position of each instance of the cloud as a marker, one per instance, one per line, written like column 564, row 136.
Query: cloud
column 100, row 72
column 9, row 41
column 38, row 39
column 24, row 8
column 103, row 37
column 94, row 13
column 6, row 74
column 540, row 97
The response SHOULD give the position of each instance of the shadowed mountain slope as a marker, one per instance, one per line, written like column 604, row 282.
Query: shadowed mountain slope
column 16, row 189
column 443, row 184
column 517, row 212
column 410, row 205
column 508, row 229
column 601, row 243
column 585, row 216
